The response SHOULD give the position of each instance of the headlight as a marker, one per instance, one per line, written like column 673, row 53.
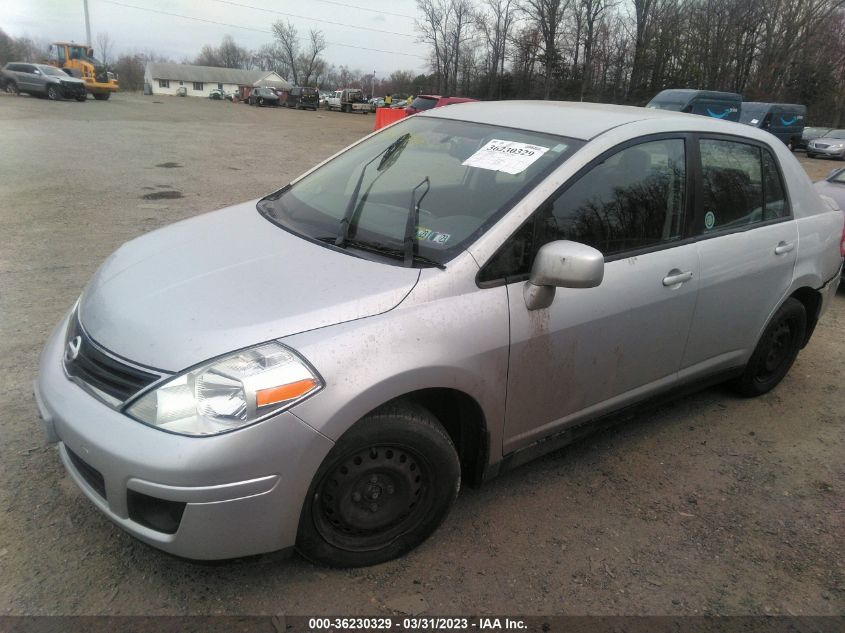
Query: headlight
column 228, row 393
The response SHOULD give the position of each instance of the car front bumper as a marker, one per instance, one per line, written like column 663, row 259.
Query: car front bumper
column 239, row 494
column 829, row 152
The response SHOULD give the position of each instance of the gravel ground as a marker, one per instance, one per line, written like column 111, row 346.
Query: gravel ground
column 711, row 505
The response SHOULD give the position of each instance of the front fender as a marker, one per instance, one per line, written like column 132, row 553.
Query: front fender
column 458, row 342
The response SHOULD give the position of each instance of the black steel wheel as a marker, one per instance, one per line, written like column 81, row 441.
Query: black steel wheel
column 53, row 93
column 381, row 491
column 776, row 351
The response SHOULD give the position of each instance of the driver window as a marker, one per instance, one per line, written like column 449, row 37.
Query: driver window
column 635, row 199
column 632, row 200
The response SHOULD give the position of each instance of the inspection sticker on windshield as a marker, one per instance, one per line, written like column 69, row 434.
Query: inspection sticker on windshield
column 427, row 235
column 507, row 156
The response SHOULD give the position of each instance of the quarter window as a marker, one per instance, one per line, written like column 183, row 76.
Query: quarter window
column 164, row 83
column 773, row 190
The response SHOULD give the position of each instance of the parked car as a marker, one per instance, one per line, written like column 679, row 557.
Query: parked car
column 716, row 105
column 219, row 94
column 440, row 302
column 42, row 80
column 263, row 97
column 302, row 97
column 831, row 145
column 427, row 102
column 784, row 120
column 808, row 135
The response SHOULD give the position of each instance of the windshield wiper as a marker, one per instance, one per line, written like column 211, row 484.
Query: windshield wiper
column 388, row 156
column 382, row 249
column 411, row 244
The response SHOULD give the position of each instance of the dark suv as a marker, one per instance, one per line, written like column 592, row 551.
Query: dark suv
column 303, row 97
column 43, row 81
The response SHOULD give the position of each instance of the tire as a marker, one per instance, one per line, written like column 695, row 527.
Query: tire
column 102, row 96
column 810, row 155
column 82, row 98
column 776, row 350
column 12, row 88
column 261, row 101
column 53, row 93
column 384, row 488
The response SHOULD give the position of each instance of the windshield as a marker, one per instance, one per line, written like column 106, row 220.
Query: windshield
column 838, row 177
column 815, row 132
column 835, row 134
column 473, row 174
column 423, row 103
column 50, row 70
column 753, row 114
column 674, row 106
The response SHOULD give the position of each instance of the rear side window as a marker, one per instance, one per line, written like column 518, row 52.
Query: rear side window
column 741, row 186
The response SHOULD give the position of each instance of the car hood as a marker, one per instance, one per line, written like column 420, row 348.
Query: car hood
column 227, row 280
column 70, row 79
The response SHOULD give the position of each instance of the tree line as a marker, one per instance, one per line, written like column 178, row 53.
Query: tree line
column 625, row 51
column 612, row 51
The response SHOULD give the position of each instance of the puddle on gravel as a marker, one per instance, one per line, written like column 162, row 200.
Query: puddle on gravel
column 162, row 195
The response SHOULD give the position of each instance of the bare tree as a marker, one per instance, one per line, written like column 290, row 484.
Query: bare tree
column 310, row 63
column 287, row 41
column 494, row 22
column 104, row 46
column 434, row 28
column 547, row 16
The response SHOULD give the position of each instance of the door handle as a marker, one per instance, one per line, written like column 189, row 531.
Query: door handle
column 784, row 247
column 675, row 277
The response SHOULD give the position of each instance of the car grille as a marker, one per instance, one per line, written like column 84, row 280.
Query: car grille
column 92, row 366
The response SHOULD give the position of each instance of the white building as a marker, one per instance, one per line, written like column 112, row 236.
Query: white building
column 198, row 81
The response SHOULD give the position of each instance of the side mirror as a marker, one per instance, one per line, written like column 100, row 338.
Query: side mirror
column 562, row 264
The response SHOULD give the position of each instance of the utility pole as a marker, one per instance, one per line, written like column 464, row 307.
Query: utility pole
column 373, row 85
column 87, row 25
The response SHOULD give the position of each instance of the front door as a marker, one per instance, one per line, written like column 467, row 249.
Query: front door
column 597, row 349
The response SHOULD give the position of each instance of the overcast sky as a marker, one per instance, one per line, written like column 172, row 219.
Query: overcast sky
column 349, row 29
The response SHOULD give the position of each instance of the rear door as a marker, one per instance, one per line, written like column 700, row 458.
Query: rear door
column 747, row 243
column 597, row 349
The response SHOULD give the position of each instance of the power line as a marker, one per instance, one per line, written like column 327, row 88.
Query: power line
column 302, row 17
column 249, row 28
column 355, row 6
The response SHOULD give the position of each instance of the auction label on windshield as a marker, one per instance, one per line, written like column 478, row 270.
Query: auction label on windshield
column 507, row 156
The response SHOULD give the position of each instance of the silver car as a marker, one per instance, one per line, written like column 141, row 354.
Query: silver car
column 42, row 80
column 831, row 145
column 449, row 297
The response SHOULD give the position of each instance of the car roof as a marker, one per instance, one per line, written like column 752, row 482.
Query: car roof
column 571, row 119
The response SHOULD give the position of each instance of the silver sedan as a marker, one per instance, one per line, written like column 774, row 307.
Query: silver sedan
column 449, row 297
column 831, row 145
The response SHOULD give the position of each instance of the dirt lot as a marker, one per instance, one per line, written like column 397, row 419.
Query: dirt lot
column 711, row 505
